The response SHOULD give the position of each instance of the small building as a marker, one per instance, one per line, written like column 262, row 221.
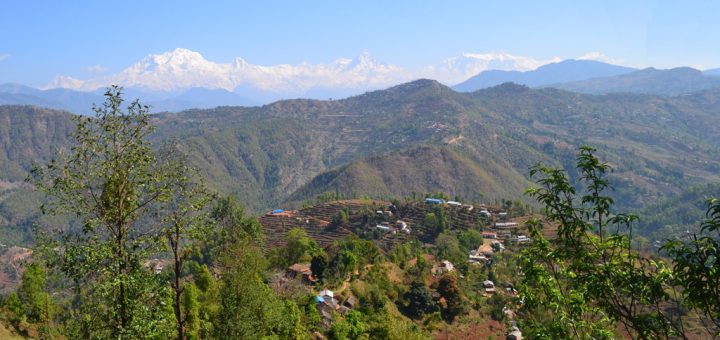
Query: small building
column 489, row 234
column 350, row 302
column 523, row 239
column 402, row 225
column 485, row 213
column 326, row 293
column 447, row 266
column 303, row 271
column 454, row 203
column 434, row 201
column 505, row 225
column 280, row 212
column 502, row 215
column 489, row 286
column 469, row 207
column 477, row 259
column 382, row 227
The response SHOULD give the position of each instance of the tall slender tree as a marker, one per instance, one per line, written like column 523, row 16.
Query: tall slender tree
column 186, row 223
column 115, row 186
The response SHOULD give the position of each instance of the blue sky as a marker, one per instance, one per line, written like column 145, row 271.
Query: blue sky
column 42, row 39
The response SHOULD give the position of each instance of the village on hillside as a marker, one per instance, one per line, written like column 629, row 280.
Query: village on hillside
column 389, row 224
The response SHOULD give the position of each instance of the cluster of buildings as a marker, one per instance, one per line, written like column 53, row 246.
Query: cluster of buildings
column 430, row 200
column 399, row 226
column 327, row 303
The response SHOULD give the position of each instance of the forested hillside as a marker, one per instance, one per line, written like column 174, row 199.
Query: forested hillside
column 476, row 145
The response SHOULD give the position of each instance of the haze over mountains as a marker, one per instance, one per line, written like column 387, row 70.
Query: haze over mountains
column 554, row 73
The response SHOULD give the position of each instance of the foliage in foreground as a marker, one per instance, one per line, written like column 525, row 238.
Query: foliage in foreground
column 589, row 279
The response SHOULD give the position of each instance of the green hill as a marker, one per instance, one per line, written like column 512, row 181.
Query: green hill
column 420, row 136
column 420, row 169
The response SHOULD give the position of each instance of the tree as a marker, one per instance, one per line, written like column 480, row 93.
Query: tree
column 470, row 239
column 208, row 300
column 341, row 218
column 696, row 265
column 318, row 265
column 419, row 300
column 300, row 247
column 230, row 225
column 248, row 306
column 350, row 328
column 449, row 290
column 33, row 294
column 589, row 278
column 116, row 187
column 191, row 313
column 186, row 223
column 13, row 304
column 448, row 247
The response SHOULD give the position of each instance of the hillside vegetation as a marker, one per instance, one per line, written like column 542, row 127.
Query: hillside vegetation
column 419, row 136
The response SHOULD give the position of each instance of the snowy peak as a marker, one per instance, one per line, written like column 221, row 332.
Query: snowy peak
column 180, row 57
column 182, row 69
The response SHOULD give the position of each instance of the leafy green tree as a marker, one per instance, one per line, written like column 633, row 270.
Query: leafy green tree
column 421, row 268
column 248, row 306
column 696, row 266
column 185, row 225
column 33, row 294
column 470, row 239
column 341, row 218
column 13, row 304
column 448, row 248
column 116, row 186
column 348, row 255
column 231, row 225
column 419, row 299
column 588, row 279
column 190, row 313
column 350, row 328
column 300, row 247
column 208, row 298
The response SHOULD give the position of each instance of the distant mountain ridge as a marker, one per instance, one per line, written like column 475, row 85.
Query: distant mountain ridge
column 81, row 102
column 585, row 76
column 680, row 80
column 560, row 72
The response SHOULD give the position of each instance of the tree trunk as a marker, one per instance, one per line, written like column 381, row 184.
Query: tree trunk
column 175, row 244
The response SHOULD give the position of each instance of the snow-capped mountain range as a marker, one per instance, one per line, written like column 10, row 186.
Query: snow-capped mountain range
column 183, row 79
column 183, row 69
